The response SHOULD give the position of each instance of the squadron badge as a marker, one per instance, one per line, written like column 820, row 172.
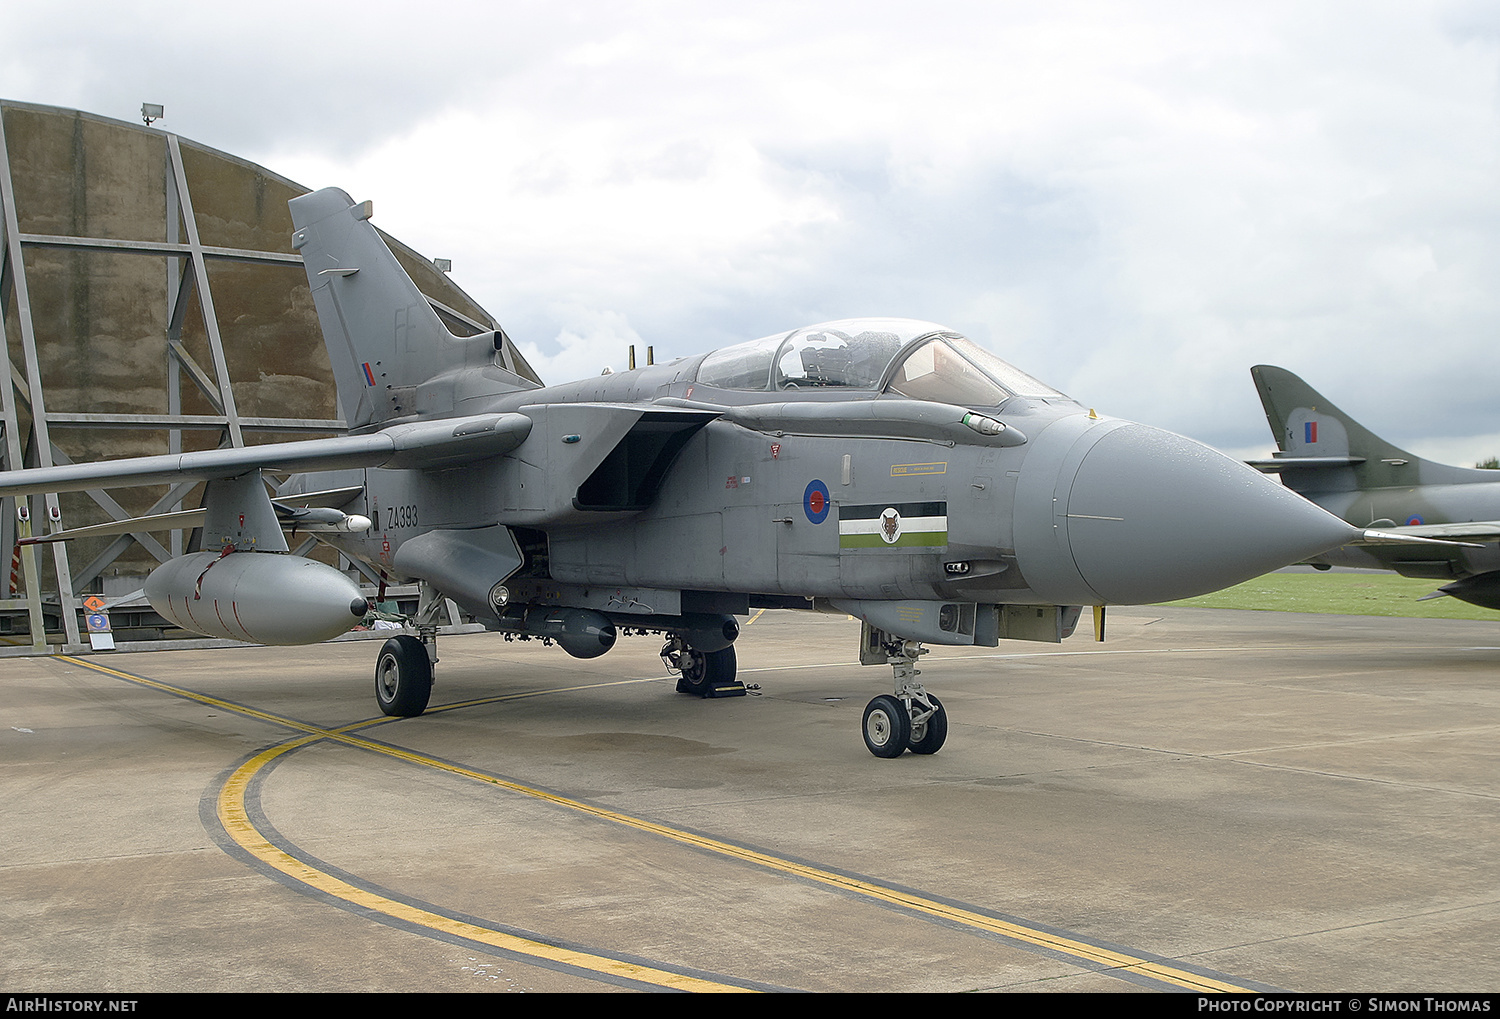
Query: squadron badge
column 890, row 525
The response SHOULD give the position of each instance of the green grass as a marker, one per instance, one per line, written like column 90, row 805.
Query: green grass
column 1347, row 594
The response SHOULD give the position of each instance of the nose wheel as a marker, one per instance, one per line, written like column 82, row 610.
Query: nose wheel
column 887, row 726
column 893, row 725
column 911, row 718
column 929, row 727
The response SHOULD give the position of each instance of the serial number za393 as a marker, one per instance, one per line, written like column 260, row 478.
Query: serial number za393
column 400, row 516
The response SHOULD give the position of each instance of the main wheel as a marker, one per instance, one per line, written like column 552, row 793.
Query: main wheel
column 403, row 677
column 887, row 726
column 928, row 737
column 702, row 671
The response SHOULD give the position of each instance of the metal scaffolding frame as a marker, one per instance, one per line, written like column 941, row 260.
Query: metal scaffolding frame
column 186, row 281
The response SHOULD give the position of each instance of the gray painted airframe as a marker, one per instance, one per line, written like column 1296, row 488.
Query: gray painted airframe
column 885, row 468
column 1333, row 460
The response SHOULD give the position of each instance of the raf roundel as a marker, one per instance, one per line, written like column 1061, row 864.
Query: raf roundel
column 815, row 501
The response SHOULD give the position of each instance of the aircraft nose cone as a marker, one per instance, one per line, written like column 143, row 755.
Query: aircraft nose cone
column 1153, row 516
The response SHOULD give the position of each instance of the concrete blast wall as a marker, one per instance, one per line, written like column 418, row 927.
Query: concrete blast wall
column 104, row 302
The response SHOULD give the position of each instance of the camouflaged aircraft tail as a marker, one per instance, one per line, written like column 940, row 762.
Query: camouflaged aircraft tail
column 1323, row 449
column 383, row 337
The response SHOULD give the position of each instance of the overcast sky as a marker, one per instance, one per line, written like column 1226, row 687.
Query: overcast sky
column 1132, row 201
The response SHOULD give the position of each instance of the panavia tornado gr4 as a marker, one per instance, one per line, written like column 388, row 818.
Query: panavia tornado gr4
column 884, row 468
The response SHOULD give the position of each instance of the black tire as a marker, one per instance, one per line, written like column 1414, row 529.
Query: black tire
column 928, row 737
column 703, row 671
column 403, row 677
column 886, row 727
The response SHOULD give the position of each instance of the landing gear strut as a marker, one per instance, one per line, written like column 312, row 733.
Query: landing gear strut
column 702, row 673
column 911, row 719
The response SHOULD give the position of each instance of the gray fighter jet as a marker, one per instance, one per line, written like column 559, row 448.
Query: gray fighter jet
column 1333, row 460
column 884, row 468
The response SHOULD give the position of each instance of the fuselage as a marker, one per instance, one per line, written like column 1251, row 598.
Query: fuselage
column 1426, row 506
column 835, row 492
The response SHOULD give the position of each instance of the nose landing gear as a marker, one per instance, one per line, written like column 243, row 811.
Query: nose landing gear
column 911, row 718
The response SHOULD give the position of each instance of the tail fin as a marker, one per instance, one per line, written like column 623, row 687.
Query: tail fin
column 382, row 335
column 1323, row 449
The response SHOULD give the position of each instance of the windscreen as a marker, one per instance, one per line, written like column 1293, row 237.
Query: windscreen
column 951, row 369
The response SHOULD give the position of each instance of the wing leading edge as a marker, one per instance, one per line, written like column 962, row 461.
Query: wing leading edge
column 445, row 443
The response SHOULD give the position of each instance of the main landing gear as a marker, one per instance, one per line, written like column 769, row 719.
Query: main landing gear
column 403, row 671
column 702, row 673
column 911, row 719
column 403, row 677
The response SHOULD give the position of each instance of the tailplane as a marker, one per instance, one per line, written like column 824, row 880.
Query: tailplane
column 1323, row 449
column 383, row 337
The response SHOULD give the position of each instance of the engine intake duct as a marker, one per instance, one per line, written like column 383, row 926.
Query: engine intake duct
column 630, row 477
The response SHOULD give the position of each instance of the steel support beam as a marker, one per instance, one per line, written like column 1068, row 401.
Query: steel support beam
column 43, row 443
column 199, row 273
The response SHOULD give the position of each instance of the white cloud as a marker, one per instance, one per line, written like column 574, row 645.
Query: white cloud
column 589, row 341
column 1133, row 202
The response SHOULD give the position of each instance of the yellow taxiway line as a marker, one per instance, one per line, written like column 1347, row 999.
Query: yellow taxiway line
column 236, row 821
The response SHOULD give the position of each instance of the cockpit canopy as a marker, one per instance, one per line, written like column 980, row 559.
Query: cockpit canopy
column 918, row 360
